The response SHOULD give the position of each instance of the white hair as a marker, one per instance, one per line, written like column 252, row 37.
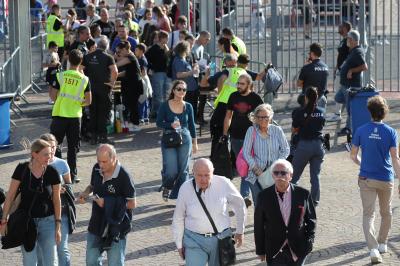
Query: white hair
column 283, row 162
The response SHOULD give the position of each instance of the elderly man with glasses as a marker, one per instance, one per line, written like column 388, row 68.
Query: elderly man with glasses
column 284, row 220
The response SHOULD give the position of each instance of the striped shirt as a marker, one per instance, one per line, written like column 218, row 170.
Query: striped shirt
column 266, row 149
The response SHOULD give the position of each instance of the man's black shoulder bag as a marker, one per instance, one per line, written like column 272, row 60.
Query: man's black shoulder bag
column 226, row 246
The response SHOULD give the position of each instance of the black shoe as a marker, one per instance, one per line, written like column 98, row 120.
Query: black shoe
column 344, row 132
column 76, row 180
column 165, row 194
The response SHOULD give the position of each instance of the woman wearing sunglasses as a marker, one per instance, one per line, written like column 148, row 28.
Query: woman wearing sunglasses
column 268, row 143
column 39, row 185
column 176, row 114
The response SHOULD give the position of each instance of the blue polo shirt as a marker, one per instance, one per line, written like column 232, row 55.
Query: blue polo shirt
column 354, row 59
column 119, row 185
column 118, row 41
column 316, row 75
column 375, row 140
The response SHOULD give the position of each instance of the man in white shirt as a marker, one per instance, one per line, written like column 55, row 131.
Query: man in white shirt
column 193, row 233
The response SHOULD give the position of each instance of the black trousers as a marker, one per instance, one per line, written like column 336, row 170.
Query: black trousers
column 100, row 110
column 67, row 127
column 284, row 258
column 192, row 97
column 131, row 112
column 200, row 107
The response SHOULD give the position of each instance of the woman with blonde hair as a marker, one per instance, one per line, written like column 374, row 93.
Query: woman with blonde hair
column 267, row 141
column 39, row 186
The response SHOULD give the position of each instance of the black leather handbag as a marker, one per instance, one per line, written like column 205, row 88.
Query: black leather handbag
column 171, row 139
column 226, row 246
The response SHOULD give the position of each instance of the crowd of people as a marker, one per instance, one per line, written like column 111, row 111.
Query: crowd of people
column 162, row 69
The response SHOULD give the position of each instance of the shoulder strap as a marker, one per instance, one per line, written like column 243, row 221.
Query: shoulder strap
column 204, row 208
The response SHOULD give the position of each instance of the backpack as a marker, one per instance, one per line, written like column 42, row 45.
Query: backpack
column 273, row 80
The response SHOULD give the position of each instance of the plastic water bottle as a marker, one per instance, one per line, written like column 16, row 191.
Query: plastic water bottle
column 176, row 119
column 213, row 66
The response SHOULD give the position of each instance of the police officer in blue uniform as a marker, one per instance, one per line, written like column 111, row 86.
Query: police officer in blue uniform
column 308, row 123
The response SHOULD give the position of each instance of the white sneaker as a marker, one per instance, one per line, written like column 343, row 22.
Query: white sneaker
column 375, row 256
column 334, row 118
column 134, row 128
column 382, row 248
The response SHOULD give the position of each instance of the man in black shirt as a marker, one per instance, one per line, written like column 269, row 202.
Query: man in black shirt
column 115, row 195
column 315, row 74
column 80, row 43
column 102, row 71
column 350, row 75
column 240, row 104
column 157, row 57
column 107, row 26
column 343, row 52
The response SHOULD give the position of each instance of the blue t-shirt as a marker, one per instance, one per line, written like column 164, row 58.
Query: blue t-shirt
column 118, row 41
column 375, row 140
column 354, row 59
column 181, row 65
column 36, row 10
column 61, row 166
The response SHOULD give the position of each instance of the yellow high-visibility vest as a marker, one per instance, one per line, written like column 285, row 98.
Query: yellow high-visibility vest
column 229, row 86
column 71, row 95
column 240, row 45
column 52, row 35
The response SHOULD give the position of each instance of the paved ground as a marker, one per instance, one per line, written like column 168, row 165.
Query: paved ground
column 339, row 238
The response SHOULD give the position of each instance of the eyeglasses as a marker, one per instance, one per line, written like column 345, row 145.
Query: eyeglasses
column 263, row 118
column 181, row 89
column 282, row 173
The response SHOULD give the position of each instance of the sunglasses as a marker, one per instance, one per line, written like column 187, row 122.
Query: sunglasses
column 181, row 89
column 263, row 117
column 282, row 173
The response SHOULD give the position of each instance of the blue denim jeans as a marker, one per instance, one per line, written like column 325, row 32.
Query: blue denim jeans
column 115, row 255
column 45, row 241
column 144, row 110
column 309, row 151
column 176, row 164
column 236, row 145
column 64, row 256
column 200, row 250
column 255, row 190
column 160, row 84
